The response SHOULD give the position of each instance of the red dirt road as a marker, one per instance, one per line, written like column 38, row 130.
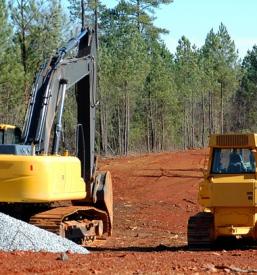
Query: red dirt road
column 154, row 195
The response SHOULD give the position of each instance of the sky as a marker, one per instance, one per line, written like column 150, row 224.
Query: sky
column 195, row 18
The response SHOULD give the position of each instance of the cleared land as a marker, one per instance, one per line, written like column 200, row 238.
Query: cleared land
column 153, row 197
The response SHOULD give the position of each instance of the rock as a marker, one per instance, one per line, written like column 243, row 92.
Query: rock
column 211, row 268
column 216, row 253
column 63, row 257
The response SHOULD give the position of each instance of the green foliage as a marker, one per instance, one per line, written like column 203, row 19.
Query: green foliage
column 159, row 98
column 220, row 61
column 11, row 75
column 142, row 12
column 149, row 99
column 75, row 8
column 37, row 26
column 31, row 35
column 172, row 102
column 245, row 117
column 127, row 68
column 188, row 82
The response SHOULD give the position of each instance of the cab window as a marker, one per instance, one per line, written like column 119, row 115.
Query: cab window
column 233, row 161
column 10, row 136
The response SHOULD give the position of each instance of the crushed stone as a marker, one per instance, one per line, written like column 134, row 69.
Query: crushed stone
column 16, row 235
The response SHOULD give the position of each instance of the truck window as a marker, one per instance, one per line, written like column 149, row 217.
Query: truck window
column 233, row 161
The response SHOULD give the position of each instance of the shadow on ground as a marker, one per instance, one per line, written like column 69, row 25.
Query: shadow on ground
column 218, row 246
column 158, row 248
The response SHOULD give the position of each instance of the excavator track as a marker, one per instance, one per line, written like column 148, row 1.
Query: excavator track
column 81, row 224
column 200, row 231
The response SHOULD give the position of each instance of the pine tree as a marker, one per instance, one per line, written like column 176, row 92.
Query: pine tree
column 187, row 82
column 244, row 102
column 37, row 27
column 143, row 13
column 222, row 69
column 158, row 99
column 11, row 77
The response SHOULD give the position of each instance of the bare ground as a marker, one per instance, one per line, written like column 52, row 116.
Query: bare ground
column 154, row 195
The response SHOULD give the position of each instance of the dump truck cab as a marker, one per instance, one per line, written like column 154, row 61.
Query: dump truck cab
column 227, row 192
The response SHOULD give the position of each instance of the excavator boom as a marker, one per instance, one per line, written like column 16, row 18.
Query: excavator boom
column 48, row 94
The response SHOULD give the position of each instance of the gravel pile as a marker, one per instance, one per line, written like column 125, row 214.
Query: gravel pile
column 18, row 235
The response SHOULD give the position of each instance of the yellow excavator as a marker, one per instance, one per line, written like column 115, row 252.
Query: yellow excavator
column 42, row 184
column 228, row 193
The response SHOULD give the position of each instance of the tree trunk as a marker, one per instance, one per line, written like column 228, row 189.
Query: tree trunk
column 188, row 131
column 103, row 129
column 24, row 50
column 221, row 108
column 138, row 15
column 185, row 132
column 82, row 14
column 127, row 122
column 162, row 132
column 22, row 39
column 96, row 23
column 203, row 121
column 151, row 123
column 210, row 113
column 119, row 130
column 192, row 122
column 147, row 132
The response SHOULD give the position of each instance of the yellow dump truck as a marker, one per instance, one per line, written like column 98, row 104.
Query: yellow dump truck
column 228, row 192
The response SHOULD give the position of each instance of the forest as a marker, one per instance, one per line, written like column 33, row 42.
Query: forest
column 150, row 100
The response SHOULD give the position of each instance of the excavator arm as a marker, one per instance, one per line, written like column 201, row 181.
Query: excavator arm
column 47, row 101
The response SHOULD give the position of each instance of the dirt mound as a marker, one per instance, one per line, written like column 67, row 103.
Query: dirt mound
column 153, row 197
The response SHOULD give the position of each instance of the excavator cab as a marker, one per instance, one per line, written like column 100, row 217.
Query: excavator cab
column 9, row 134
column 227, row 192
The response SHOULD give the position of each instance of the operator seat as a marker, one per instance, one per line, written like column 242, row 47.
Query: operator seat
column 235, row 163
